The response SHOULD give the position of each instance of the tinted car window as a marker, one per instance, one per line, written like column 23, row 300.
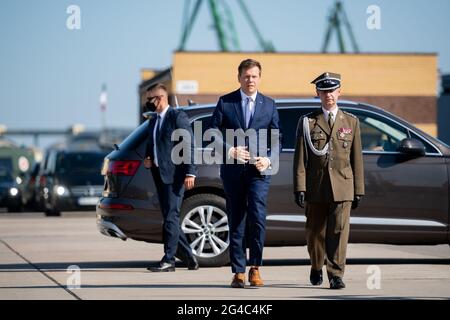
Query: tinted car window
column 204, row 121
column 428, row 147
column 85, row 163
column 6, row 163
column 136, row 137
column 379, row 134
column 288, row 122
column 5, row 176
column 50, row 163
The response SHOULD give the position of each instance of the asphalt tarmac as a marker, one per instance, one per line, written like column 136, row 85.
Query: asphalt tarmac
column 67, row 258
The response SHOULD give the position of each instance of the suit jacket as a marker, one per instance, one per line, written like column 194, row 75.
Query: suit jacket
column 228, row 115
column 170, row 173
column 337, row 176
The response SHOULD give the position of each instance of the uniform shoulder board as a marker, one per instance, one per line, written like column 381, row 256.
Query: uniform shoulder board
column 349, row 114
column 299, row 129
column 309, row 114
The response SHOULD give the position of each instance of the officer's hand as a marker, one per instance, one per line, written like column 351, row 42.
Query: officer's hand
column 148, row 163
column 356, row 202
column 300, row 198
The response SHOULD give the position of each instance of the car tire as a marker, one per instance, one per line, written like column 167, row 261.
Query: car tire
column 16, row 208
column 210, row 234
column 53, row 212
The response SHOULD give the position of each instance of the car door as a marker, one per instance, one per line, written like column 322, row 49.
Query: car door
column 285, row 220
column 406, row 200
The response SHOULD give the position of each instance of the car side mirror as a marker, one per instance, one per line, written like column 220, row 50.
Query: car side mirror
column 412, row 146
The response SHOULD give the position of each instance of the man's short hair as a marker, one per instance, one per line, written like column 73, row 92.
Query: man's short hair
column 247, row 64
column 158, row 85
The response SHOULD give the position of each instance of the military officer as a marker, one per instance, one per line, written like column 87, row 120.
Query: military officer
column 329, row 177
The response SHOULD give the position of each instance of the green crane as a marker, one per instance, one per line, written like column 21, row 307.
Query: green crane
column 336, row 20
column 223, row 24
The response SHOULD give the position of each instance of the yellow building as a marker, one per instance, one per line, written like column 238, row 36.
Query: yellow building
column 404, row 84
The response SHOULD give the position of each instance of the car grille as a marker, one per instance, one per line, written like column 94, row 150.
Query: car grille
column 87, row 191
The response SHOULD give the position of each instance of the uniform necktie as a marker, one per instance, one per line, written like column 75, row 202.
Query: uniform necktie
column 330, row 120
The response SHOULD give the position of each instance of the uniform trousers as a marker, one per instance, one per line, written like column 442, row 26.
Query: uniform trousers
column 327, row 232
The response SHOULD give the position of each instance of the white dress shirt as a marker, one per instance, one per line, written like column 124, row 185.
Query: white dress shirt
column 251, row 105
column 326, row 113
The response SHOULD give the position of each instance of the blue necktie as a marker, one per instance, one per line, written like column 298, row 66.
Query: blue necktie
column 247, row 112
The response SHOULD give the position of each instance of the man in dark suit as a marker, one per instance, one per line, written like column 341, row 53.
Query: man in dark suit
column 244, row 172
column 170, row 179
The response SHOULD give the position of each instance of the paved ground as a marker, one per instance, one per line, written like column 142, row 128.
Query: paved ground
column 36, row 251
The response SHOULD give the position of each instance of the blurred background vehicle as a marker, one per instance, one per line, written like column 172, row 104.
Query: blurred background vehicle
column 10, row 196
column 15, row 163
column 70, row 180
column 68, row 177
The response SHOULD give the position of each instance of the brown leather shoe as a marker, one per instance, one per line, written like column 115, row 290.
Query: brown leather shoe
column 254, row 277
column 238, row 280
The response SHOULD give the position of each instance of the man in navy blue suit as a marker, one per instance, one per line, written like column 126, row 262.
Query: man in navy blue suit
column 170, row 179
column 244, row 171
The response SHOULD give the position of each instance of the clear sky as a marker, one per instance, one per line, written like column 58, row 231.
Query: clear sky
column 50, row 76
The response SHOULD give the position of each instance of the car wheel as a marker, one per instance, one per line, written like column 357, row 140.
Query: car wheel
column 52, row 212
column 15, row 208
column 205, row 223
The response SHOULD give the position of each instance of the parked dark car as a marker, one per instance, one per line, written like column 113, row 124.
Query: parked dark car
column 10, row 196
column 406, row 178
column 69, row 180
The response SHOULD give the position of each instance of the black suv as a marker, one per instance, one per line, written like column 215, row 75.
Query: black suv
column 10, row 195
column 406, row 178
column 69, row 180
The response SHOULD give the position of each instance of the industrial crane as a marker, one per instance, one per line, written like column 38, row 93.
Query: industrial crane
column 223, row 25
column 336, row 20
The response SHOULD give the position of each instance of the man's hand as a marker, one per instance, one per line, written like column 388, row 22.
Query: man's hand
column 261, row 163
column 189, row 182
column 240, row 154
column 356, row 202
column 148, row 163
column 300, row 198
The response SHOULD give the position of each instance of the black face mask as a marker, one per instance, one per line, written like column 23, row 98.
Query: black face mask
column 150, row 106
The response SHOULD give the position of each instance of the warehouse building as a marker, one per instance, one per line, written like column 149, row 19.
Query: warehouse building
column 404, row 83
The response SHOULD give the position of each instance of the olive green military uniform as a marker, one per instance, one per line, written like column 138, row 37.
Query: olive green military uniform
column 330, row 182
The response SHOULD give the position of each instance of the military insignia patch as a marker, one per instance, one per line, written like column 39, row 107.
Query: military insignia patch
column 344, row 131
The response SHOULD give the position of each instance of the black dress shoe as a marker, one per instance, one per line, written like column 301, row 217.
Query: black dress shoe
column 337, row 283
column 187, row 258
column 192, row 263
column 316, row 277
column 162, row 267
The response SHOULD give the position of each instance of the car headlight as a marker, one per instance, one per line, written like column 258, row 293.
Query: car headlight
column 14, row 191
column 61, row 191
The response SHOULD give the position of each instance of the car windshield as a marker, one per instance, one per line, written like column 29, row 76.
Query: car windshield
column 80, row 163
column 5, row 176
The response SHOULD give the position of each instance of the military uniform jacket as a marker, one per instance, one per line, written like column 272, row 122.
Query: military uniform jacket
column 339, row 174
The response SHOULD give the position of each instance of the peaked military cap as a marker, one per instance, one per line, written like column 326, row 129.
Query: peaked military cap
column 327, row 81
